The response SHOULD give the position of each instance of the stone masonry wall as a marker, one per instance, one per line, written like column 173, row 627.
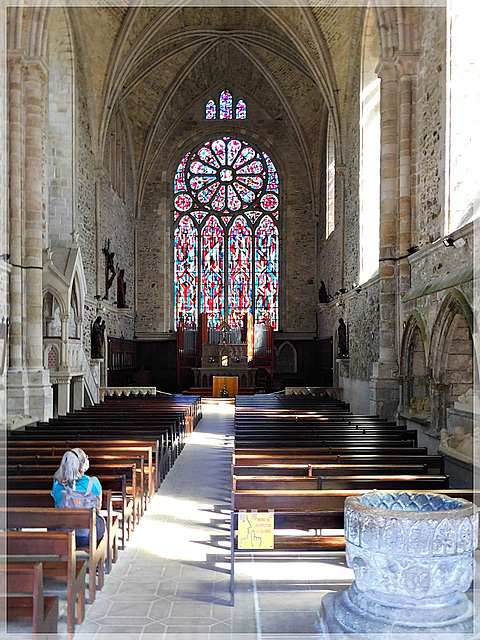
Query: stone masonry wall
column 430, row 109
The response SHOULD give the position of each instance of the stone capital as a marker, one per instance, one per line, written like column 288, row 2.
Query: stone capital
column 386, row 70
column 406, row 63
column 341, row 170
column 35, row 69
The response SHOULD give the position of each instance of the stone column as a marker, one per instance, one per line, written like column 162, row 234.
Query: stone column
column 407, row 70
column 40, row 391
column 16, row 231
column 383, row 384
column 17, row 399
column 63, row 386
column 77, row 384
column 64, row 336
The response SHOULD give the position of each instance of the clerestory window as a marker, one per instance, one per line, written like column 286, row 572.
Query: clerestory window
column 225, row 109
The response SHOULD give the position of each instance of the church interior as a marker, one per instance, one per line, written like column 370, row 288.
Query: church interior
column 245, row 201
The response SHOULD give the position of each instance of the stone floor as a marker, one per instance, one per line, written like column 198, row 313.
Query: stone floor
column 173, row 579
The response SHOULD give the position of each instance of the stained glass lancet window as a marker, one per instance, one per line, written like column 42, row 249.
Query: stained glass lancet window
column 241, row 110
column 210, row 110
column 225, row 105
column 225, row 108
column 226, row 248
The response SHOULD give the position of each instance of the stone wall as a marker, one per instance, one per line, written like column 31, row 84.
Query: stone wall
column 431, row 118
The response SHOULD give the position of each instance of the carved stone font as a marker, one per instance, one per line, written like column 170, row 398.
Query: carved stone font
column 412, row 555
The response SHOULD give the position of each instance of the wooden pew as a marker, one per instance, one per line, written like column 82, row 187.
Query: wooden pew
column 329, row 468
column 56, row 449
column 291, row 463
column 142, row 457
column 41, row 498
column 107, row 438
column 34, row 607
column 33, row 518
column 26, row 545
column 133, row 487
column 122, row 502
column 333, row 482
column 308, row 510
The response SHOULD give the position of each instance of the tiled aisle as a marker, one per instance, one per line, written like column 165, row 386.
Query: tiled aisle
column 174, row 575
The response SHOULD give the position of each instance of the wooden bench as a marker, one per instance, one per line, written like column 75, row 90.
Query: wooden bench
column 56, row 449
column 40, row 610
column 53, row 518
column 308, row 464
column 135, row 486
column 329, row 469
column 122, row 502
column 97, row 458
column 305, row 511
column 41, row 498
column 25, row 545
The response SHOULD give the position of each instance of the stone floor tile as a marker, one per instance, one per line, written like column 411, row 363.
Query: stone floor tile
column 100, row 609
column 128, row 610
column 282, row 622
column 139, row 587
column 160, row 609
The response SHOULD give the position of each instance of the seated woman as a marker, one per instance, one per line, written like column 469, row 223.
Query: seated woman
column 71, row 473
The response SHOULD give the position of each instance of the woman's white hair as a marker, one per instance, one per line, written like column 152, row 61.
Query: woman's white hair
column 70, row 469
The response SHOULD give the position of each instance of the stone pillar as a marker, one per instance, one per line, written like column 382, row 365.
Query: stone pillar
column 383, row 384
column 77, row 385
column 16, row 231
column 17, row 399
column 34, row 78
column 64, row 336
column 63, row 385
column 407, row 71
column 39, row 389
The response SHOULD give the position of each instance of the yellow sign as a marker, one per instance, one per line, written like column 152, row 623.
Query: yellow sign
column 255, row 530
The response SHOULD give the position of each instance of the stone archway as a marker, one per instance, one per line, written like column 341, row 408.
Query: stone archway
column 451, row 357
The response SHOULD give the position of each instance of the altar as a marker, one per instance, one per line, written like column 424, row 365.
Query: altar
column 230, row 383
column 208, row 351
column 224, row 360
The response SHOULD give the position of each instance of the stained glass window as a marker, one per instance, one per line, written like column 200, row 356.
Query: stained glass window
column 239, row 271
column 225, row 105
column 225, row 109
column 210, row 110
column 266, row 272
column 226, row 199
column 212, row 261
column 186, row 280
column 241, row 110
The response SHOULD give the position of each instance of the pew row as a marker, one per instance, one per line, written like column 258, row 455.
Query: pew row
column 26, row 601
column 52, row 518
column 62, row 565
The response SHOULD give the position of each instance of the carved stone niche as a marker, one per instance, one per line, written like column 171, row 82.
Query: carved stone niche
column 412, row 555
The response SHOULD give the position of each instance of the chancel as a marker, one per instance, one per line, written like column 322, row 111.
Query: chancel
column 237, row 269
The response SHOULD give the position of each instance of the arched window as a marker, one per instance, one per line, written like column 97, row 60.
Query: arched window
column 225, row 108
column 330, row 180
column 226, row 234
column 463, row 115
column 210, row 110
column 369, row 196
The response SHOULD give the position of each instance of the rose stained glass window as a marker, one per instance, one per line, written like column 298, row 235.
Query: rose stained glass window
column 226, row 200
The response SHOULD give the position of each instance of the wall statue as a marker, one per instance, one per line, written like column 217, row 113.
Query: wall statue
column 342, row 344
column 98, row 333
column 121, row 289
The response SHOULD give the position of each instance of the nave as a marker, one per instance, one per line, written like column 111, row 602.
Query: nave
column 173, row 577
